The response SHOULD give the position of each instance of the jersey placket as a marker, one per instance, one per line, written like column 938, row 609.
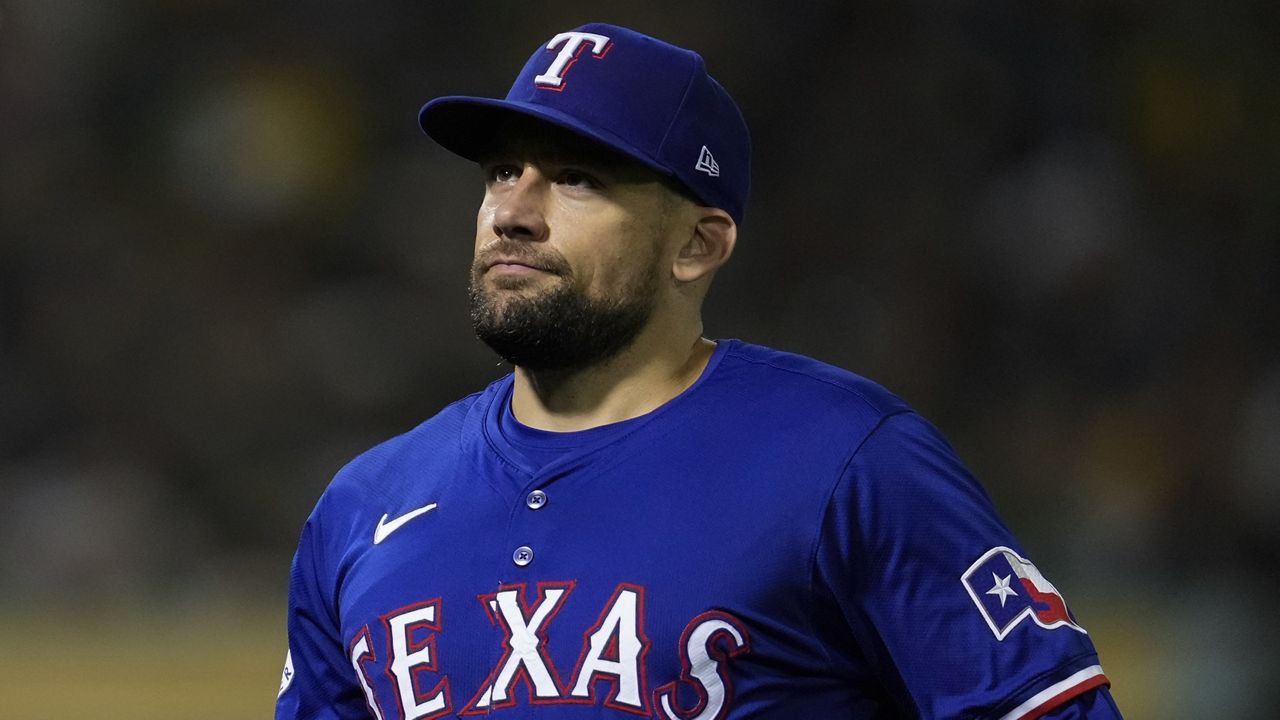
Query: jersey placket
column 522, row 605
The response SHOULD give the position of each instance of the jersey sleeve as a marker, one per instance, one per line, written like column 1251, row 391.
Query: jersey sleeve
column 940, row 602
column 318, row 683
column 1095, row 704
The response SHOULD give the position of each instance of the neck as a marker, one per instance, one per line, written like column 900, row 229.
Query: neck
column 648, row 373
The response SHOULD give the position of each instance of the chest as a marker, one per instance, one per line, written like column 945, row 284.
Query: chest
column 609, row 589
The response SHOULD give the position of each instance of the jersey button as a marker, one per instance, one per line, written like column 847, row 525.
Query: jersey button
column 536, row 500
column 522, row 556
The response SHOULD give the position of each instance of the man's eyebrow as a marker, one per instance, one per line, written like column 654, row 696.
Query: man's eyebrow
column 609, row 164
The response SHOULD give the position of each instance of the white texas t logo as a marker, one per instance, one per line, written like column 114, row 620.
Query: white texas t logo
column 571, row 45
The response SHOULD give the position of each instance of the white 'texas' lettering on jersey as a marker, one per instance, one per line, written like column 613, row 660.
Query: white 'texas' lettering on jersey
column 361, row 653
column 707, row 673
column 614, row 649
column 525, row 630
column 409, row 658
column 621, row 628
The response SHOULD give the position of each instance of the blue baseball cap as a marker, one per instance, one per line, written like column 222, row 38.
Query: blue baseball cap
column 645, row 98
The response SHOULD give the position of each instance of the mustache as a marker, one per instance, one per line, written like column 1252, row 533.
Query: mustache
column 521, row 252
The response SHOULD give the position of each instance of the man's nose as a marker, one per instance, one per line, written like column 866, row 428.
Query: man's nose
column 520, row 214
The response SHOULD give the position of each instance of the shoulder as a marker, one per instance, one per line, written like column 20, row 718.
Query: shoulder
column 787, row 382
column 401, row 464
column 802, row 417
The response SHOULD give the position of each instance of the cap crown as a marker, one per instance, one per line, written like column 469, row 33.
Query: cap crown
column 639, row 95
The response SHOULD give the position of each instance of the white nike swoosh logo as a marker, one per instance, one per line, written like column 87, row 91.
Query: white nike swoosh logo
column 385, row 528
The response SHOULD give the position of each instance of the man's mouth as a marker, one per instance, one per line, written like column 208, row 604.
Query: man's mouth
column 513, row 266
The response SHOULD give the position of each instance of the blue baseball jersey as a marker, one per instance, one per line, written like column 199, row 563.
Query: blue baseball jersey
column 782, row 540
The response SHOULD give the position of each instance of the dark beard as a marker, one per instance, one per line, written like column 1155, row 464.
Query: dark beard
column 561, row 329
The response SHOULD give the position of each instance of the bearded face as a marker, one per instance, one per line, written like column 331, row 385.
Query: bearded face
column 570, row 241
column 552, row 323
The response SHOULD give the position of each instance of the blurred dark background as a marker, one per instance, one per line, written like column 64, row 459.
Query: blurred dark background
column 229, row 261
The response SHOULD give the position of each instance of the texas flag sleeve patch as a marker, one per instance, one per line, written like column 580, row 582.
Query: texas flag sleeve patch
column 1008, row 589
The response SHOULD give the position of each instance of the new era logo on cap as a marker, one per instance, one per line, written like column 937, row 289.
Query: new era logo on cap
column 707, row 163
column 635, row 94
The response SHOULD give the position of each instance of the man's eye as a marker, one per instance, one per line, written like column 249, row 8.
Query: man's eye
column 576, row 178
column 503, row 173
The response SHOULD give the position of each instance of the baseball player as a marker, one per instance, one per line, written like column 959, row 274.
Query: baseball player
column 640, row 521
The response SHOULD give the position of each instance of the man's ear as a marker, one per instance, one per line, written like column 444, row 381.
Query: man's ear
column 708, row 247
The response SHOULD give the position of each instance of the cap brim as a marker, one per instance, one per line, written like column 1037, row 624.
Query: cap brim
column 469, row 126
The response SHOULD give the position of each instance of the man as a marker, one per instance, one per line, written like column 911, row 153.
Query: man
column 640, row 521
